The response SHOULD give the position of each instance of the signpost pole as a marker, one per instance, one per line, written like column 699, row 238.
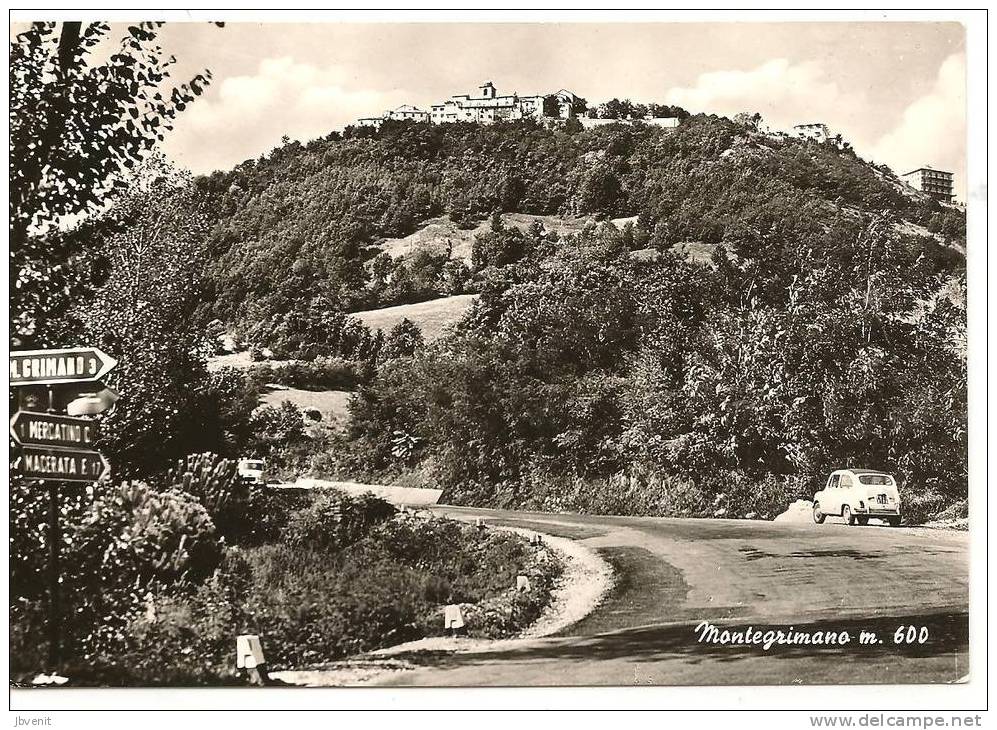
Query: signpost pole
column 56, row 445
column 54, row 603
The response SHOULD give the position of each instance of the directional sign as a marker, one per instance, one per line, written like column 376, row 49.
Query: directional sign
column 94, row 402
column 48, row 367
column 68, row 465
column 56, row 398
column 46, row 429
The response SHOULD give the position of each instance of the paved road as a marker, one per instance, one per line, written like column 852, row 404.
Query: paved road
column 674, row 573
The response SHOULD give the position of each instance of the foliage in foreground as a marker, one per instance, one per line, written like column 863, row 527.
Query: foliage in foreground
column 376, row 578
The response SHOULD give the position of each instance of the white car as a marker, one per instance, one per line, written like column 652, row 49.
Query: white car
column 858, row 494
column 251, row 470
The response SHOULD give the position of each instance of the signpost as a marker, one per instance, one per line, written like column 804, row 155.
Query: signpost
column 56, row 447
column 51, row 367
column 64, row 465
column 60, row 398
column 47, row 429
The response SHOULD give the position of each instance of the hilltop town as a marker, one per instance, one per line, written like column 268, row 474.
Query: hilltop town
column 489, row 106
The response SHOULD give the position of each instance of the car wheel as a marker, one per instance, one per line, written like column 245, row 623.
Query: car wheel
column 819, row 516
column 863, row 520
column 894, row 521
column 847, row 516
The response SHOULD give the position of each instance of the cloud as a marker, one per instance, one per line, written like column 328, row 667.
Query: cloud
column 247, row 115
column 932, row 129
column 781, row 91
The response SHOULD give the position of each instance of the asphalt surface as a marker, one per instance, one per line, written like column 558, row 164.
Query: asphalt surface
column 672, row 574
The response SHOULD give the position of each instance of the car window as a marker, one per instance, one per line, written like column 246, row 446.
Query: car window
column 833, row 484
column 879, row 480
column 846, row 481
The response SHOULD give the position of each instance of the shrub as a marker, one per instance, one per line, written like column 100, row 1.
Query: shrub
column 268, row 512
column 216, row 484
column 922, row 506
column 182, row 639
column 275, row 428
column 314, row 608
column 335, row 519
column 473, row 564
column 131, row 540
column 310, row 604
column 324, row 373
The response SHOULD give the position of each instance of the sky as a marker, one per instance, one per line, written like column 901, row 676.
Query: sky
column 895, row 90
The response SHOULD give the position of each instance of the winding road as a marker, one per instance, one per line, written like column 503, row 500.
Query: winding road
column 671, row 574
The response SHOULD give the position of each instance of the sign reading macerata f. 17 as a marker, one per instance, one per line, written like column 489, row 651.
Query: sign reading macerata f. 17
column 50, row 367
column 49, row 429
column 68, row 465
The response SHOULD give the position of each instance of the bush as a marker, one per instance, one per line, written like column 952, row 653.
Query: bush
column 314, row 608
column 133, row 535
column 268, row 512
column 645, row 493
column 311, row 604
column 923, row 506
column 183, row 639
column 216, row 484
column 275, row 428
column 323, row 373
column 335, row 519
column 471, row 564
column 130, row 541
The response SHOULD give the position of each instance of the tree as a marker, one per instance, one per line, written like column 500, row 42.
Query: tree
column 143, row 315
column 404, row 340
column 76, row 128
column 749, row 121
column 276, row 428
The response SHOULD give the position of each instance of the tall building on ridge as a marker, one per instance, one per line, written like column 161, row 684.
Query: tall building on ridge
column 936, row 183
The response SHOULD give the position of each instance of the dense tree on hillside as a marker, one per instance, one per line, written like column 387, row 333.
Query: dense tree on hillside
column 144, row 315
column 595, row 364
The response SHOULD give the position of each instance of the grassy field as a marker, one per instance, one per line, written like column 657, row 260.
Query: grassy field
column 332, row 404
column 432, row 316
column 438, row 234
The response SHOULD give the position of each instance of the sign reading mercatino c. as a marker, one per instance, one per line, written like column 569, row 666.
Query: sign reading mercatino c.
column 51, row 367
column 49, row 429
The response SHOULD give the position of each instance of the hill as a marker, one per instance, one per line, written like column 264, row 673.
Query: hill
column 306, row 222
column 702, row 320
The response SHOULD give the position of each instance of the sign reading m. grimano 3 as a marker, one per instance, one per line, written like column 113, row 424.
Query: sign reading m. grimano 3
column 59, row 366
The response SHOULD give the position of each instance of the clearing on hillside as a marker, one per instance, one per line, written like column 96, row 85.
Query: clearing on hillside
column 438, row 234
column 432, row 316
column 332, row 404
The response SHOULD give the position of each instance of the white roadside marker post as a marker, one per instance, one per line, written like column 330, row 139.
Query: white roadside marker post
column 249, row 656
column 453, row 618
column 523, row 584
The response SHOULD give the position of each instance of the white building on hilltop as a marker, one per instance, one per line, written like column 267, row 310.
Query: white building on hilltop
column 816, row 131
column 486, row 107
column 406, row 112
column 936, row 183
